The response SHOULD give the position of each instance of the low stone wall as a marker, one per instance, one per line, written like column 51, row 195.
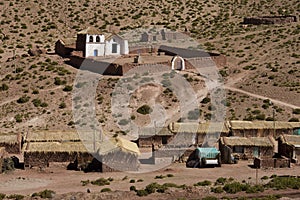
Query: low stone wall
column 270, row 20
column 271, row 163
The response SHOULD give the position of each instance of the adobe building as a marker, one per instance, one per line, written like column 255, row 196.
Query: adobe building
column 289, row 146
column 245, row 148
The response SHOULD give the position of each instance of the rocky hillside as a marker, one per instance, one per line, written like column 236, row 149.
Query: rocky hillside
column 263, row 60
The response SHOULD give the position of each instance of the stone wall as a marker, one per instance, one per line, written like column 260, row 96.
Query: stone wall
column 270, row 20
column 271, row 163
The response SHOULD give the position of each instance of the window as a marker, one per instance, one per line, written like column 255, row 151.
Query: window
column 238, row 149
column 114, row 48
column 97, row 39
column 91, row 39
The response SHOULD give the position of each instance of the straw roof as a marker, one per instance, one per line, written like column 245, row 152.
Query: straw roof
column 291, row 139
column 90, row 31
column 9, row 139
column 54, row 147
column 200, row 128
column 68, row 42
column 118, row 143
column 48, row 136
column 262, row 125
column 156, row 131
column 243, row 141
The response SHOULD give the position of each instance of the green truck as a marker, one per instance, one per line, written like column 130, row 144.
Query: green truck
column 204, row 156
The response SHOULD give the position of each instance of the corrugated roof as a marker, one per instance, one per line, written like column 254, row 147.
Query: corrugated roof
column 243, row 141
column 200, row 128
column 90, row 31
column 261, row 125
column 291, row 139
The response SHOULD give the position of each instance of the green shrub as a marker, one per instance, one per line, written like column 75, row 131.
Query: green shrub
column 44, row 194
column 141, row 193
column 106, row 190
column 23, row 99
column 132, row 188
column 255, row 189
column 2, row 196
column 144, row 110
column 62, row 105
column 264, row 178
column 218, row 189
column 159, row 177
column 235, row 187
column 18, row 118
column 205, row 100
column 279, row 183
column 296, row 111
column 101, row 182
column 203, row 183
column 84, row 183
column 15, row 196
column 170, row 175
column 140, row 180
column 4, row 87
column 68, row 88
column 132, row 181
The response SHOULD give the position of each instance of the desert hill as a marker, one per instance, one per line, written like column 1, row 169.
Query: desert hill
column 263, row 61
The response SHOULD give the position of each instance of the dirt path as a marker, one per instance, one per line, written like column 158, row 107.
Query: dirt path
column 261, row 97
column 60, row 180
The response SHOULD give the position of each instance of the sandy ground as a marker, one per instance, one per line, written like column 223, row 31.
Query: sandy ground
column 60, row 180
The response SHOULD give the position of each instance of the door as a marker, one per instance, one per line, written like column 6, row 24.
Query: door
column 95, row 52
column 255, row 152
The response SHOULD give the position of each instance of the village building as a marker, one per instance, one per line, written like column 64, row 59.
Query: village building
column 92, row 43
column 289, row 146
column 11, row 142
column 261, row 128
column 42, row 148
column 162, row 35
column 245, row 148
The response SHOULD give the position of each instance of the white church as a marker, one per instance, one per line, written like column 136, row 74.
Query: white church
column 93, row 43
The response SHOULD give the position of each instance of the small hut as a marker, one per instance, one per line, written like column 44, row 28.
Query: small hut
column 245, row 148
column 11, row 142
column 118, row 154
column 289, row 146
column 154, row 137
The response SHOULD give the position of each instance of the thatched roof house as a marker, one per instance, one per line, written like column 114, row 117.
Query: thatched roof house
column 247, row 148
column 261, row 128
column 201, row 133
column 289, row 146
column 118, row 154
column 11, row 142
column 52, row 136
column 154, row 137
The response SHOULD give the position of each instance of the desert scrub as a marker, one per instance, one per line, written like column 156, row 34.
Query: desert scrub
column 203, row 183
column 144, row 110
column 101, row 182
column 23, row 99
column 44, row 194
column 106, row 190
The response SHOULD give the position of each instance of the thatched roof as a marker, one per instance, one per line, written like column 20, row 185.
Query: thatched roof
column 8, row 139
column 262, row 125
column 156, row 131
column 243, row 141
column 118, row 143
column 52, row 136
column 90, row 31
column 293, row 140
column 54, row 147
column 3, row 153
column 68, row 42
column 200, row 128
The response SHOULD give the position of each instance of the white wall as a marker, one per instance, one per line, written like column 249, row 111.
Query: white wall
column 90, row 47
